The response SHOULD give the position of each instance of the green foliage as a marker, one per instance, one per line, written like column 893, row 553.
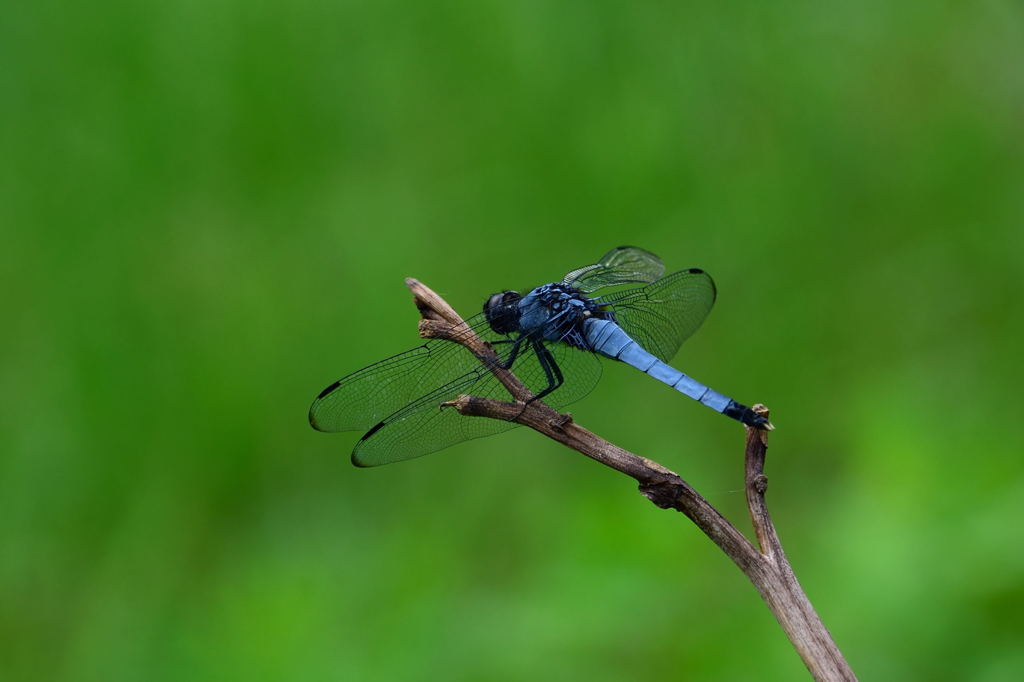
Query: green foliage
column 207, row 211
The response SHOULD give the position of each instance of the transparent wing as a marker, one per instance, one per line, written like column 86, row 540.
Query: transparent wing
column 661, row 315
column 358, row 401
column 423, row 426
column 621, row 265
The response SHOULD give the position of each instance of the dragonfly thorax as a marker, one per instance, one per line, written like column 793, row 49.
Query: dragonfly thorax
column 556, row 312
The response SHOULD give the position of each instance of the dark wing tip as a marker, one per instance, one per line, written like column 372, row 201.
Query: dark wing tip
column 312, row 408
column 374, row 429
column 329, row 389
column 714, row 287
column 356, row 461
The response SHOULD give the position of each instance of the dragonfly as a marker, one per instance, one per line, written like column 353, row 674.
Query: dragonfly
column 552, row 338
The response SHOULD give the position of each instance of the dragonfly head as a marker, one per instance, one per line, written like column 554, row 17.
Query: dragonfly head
column 502, row 311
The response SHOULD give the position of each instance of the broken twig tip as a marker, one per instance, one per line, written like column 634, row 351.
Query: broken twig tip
column 762, row 411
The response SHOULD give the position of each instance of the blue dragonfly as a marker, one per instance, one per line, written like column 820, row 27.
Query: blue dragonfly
column 550, row 338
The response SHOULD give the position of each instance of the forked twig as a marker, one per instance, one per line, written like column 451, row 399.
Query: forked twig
column 766, row 566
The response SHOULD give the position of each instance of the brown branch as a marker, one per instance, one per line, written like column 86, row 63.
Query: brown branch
column 776, row 581
column 440, row 321
column 767, row 568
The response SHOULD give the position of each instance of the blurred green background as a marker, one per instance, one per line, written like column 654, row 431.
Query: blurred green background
column 207, row 212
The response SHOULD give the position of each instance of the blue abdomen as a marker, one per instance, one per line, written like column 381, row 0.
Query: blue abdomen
column 609, row 339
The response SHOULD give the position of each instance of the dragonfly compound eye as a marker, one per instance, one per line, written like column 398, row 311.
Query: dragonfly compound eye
column 502, row 311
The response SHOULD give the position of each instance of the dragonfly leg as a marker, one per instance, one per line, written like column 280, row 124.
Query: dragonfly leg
column 514, row 353
column 551, row 370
